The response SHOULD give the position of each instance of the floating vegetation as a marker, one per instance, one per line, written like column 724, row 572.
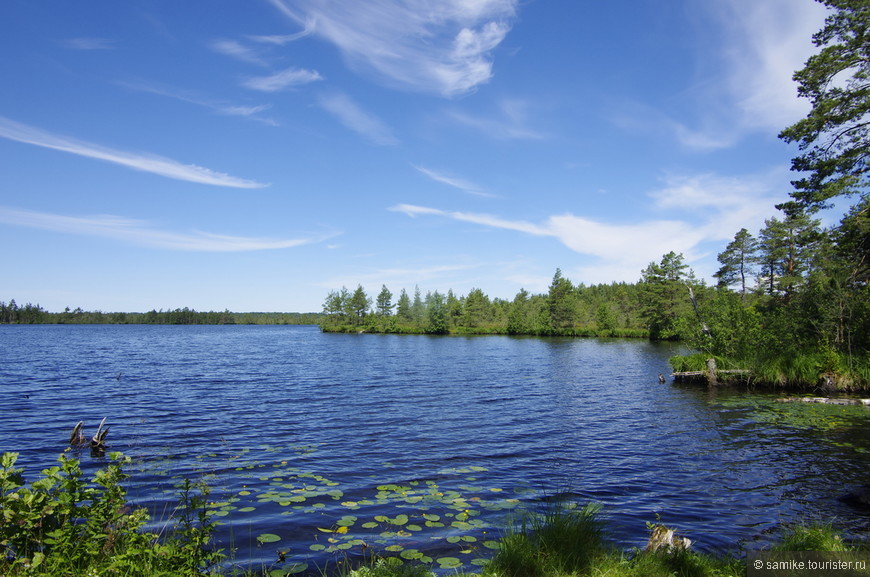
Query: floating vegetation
column 842, row 425
column 449, row 513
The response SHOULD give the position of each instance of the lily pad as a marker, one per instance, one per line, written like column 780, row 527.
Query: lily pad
column 268, row 538
column 411, row 554
column 448, row 562
column 296, row 568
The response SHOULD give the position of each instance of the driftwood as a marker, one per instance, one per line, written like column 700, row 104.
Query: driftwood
column 77, row 438
column 824, row 401
column 97, row 443
column 663, row 539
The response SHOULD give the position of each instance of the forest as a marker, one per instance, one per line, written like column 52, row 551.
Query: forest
column 13, row 313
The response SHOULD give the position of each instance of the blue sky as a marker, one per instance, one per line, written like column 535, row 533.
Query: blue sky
column 256, row 155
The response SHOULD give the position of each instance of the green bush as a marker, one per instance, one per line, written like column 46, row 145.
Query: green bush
column 63, row 524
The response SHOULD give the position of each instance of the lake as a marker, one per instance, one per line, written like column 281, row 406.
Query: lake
column 325, row 445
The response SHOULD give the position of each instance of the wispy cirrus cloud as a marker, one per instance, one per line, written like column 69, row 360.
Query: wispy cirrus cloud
column 161, row 166
column 355, row 118
column 751, row 88
column 510, row 121
column 442, row 47
column 141, row 233
column 455, row 182
column 223, row 108
column 708, row 208
column 237, row 50
column 288, row 78
column 282, row 39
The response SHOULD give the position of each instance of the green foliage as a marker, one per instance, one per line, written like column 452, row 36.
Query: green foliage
column 391, row 567
column 664, row 296
column 11, row 313
column 567, row 310
column 835, row 135
column 63, row 524
column 560, row 539
column 814, row 537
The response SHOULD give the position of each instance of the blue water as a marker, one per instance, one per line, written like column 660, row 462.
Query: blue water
column 318, row 444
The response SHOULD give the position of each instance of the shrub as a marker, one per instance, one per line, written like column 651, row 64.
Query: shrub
column 65, row 525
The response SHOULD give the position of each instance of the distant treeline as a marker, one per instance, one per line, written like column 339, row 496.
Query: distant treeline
column 607, row 310
column 12, row 313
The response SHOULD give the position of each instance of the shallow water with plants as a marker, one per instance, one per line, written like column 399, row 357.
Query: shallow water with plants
column 318, row 447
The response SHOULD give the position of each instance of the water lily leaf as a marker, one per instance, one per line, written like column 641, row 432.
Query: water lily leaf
column 425, row 559
column 410, row 554
column 479, row 562
column 346, row 521
column 296, row 568
column 491, row 544
column 469, row 539
column 453, row 539
column 268, row 538
column 247, row 509
column 403, row 533
column 344, row 546
column 351, row 504
column 394, row 548
column 382, row 518
column 431, row 517
column 322, row 530
column 399, row 519
column 448, row 562
column 277, row 573
column 369, row 525
column 332, row 540
column 461, row 525
column 244, row 493
column 413, row 527
column 433, row 524
column 317, row 547
column 478, row 469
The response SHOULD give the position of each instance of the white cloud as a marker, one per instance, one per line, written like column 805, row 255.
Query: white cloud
column 140, row 233
column 282, row 39
column 443, row 47
column 223, row 108
column 453, row 181
column 147, row 163
column 722, row 205
column 767, row 42
column 759, row 46
column 702, row 209
column 235, row 49
column 510, row 122
column 289, row 78
column 355, row 118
